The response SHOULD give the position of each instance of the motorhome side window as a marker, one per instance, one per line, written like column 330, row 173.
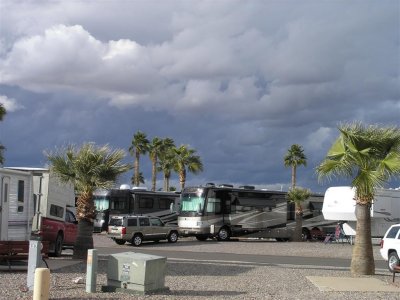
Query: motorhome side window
column 21, row 195
column 118, row 203
column 146, row 202
column 213, row 203
column 165, row 203
column 56, row 211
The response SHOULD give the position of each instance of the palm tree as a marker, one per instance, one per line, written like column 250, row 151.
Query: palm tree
column 369, row 156
column 2, row 148
column 155, row 147
column 88, row 168
column 141, row 178
column 293, row 158
column 186, row 160
column 297, row 196
column 140, row 145
column 167, row 160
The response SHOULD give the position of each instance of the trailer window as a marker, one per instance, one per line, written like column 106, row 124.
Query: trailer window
column 21, row 195
column 56, row 211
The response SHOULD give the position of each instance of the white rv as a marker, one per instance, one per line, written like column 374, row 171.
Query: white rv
column 34, row 201
column 16, row 205
column 339, row 205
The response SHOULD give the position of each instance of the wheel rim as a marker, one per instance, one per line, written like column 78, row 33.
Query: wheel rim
column 137, row 240
column 173, row 237
column 393, row 262
column 223, row 234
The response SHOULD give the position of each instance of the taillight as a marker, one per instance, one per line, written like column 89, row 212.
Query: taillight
column 381, row 243
column 123, row 231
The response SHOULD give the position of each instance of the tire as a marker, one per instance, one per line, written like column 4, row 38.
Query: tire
column 305, row 234
column 223, row 234
column 137, row 240
column 393, row 260
column 201, row 237
column 173, row 237
column 120, row 242
column 58, row 245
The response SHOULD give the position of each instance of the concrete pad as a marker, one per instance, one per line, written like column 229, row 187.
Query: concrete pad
column 351, row 284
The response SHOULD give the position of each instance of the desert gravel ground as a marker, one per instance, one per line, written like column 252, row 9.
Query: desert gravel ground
column 189, row 279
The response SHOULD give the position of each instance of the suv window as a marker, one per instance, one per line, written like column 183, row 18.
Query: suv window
column 392, row 232
column 156, row 222
column 132, row 222
column 144, row 222
column 115, row 222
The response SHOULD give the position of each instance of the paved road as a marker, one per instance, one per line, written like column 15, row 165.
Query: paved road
column 240, row 258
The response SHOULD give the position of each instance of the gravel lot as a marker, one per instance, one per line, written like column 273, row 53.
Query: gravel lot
column 212, row 280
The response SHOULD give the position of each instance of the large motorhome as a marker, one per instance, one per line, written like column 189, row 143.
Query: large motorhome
column 34, row 202
column 339, row 205
column 224, row 211
column 135, row 201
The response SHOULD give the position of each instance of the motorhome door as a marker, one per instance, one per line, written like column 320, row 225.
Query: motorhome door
column 4, row 211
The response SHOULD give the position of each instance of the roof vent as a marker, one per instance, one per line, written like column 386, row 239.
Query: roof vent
column 247, row 187
column 226, row 185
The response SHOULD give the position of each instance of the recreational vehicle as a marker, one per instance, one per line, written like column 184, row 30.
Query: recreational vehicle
column 136, row 201
column 224, row 211
column 339, row 205
column 35, row 203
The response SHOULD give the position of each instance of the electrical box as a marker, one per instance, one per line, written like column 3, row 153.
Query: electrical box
column 135, row 273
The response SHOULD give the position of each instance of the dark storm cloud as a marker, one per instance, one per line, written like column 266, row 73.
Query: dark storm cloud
column 240, row 81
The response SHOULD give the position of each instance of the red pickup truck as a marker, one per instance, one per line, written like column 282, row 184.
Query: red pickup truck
column 59, row 234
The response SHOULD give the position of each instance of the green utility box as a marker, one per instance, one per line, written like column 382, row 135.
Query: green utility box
column 136, row 273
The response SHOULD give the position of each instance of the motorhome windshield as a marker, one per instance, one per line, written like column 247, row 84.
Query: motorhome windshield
column 101, row 203
column 192, row 201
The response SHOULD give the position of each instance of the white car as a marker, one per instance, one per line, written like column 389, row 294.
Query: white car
column 390, row 247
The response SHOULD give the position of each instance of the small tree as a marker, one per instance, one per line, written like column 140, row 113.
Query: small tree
column 87, row 168
column 297, row 196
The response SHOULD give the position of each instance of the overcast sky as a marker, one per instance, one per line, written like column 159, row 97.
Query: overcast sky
column 239, row 81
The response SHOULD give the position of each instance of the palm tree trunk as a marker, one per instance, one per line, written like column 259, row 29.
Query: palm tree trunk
column 299, row 224
column 182, row 178
column 154, row 174
column 84, row 240
column 293, row 176
column 362, row 262
column 137, row 157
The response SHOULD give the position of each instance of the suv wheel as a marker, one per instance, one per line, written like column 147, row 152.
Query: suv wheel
column 393, row 261
column 137, row 240
column 173, row 237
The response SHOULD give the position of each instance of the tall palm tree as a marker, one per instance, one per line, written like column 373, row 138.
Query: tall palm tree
column 155, row 147
column 88, row 168
column 2, row 148
column 369, row 156
column 186, row 160
column 139, row 145
column 297, row 196
column 293, row 158
column 166, row 160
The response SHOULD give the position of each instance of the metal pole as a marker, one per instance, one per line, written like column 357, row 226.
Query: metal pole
column 91, row 271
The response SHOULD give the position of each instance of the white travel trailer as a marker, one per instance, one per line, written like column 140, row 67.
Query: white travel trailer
column 339, row 205
column 27, row 196
column 16, row 205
